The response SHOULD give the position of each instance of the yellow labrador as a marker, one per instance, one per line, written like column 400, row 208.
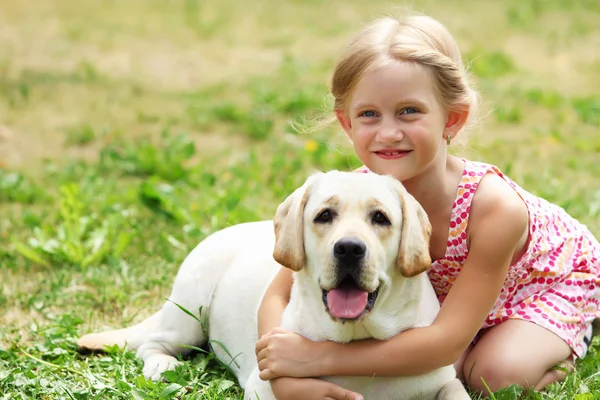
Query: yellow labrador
column 358, row 244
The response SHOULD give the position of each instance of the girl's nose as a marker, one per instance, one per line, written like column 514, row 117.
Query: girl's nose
column 390, row 132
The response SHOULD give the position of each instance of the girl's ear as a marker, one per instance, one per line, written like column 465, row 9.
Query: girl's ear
column 456, row 121
column 344, row 121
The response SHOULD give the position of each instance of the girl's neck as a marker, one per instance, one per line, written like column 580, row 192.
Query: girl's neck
column 436, row 187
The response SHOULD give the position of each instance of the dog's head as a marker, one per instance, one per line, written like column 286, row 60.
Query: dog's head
column 352, row 232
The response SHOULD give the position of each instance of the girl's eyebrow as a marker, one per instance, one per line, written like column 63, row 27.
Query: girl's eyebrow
column 411, row 101
column 404, row 102
column 362, row 105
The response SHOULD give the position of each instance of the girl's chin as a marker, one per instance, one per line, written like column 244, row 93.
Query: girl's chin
column 387, row 171
column 398, row 173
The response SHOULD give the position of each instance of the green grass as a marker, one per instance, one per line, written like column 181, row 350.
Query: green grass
column 132, row 130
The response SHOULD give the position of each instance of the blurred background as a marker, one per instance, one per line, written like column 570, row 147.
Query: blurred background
column 130, row 130
column 230, row 74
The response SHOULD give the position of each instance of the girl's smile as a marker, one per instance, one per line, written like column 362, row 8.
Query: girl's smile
column 392, row 154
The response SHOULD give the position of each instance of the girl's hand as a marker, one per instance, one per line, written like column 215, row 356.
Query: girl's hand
column 310, row 388
column 282, row 353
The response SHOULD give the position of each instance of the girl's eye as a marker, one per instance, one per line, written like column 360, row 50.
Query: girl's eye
column 368, row 114
column 409, row 110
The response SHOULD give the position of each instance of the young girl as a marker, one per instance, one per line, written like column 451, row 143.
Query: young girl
column 517, row 278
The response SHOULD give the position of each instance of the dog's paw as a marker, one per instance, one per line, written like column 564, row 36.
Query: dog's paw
column 157, row 364
column 96, row 342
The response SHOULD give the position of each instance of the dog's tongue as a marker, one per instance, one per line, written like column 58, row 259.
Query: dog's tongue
column 347, row 302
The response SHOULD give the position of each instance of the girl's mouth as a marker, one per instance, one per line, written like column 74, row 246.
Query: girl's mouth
column 392, row 154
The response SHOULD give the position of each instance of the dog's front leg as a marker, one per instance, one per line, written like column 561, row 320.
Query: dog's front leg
column 257, row 389
column 453, row 390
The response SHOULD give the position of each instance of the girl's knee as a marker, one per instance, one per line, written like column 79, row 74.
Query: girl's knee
column 484, row 375
column 508, row 354
column 491, row 368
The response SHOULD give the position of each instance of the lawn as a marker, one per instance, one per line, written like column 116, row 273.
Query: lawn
column 131, row 130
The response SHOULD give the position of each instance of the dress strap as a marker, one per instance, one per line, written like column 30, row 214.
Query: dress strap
column 456, row 246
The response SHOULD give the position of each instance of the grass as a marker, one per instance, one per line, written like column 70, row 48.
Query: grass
column 132, row 130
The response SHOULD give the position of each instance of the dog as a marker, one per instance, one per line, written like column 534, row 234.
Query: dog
column 359, row 248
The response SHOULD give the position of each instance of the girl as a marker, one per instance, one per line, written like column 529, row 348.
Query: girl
column 517, row 278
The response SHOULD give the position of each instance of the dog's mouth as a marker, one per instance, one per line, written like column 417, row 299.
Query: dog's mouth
column 348, row 301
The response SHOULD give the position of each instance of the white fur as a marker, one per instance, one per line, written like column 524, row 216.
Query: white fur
column 228, row 273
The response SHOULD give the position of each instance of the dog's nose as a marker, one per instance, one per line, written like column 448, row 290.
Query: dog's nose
column 349, row 249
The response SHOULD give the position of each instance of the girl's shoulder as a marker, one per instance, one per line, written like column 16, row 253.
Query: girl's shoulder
column 496, row 196
column 545, row 219
column 492, row 184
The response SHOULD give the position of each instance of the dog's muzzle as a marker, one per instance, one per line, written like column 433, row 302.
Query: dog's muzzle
column 348, row 300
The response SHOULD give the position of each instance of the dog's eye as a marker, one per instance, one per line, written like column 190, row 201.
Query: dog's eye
column 324, row 217
column 380, row 218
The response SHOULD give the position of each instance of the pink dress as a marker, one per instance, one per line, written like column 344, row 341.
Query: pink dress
column 555, row 284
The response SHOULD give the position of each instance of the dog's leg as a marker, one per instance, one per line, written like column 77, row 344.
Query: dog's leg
column 257, row 389
column 131, row 338
column 176, row 329
column 453, row 390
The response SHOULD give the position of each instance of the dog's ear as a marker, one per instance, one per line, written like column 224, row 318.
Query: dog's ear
column 413, row 252
column 289, row 231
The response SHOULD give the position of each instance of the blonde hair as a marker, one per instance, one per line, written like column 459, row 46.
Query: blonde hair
column 418, row 39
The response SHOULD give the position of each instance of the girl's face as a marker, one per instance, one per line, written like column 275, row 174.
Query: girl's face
column 395, row 121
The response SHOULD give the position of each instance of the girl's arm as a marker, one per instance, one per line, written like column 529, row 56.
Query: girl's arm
column 274, row 301
column 502, row 219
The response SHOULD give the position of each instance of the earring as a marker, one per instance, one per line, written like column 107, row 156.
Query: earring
column 448, row 139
